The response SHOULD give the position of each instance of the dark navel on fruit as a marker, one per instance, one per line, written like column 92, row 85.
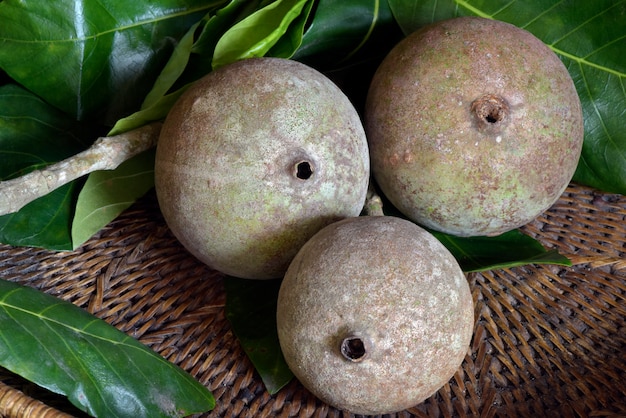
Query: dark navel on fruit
column 490, row 112
column 353, row 349
column 303, row 170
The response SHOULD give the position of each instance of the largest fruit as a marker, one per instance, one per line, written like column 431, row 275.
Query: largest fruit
column 254, row 159
column 475, row 126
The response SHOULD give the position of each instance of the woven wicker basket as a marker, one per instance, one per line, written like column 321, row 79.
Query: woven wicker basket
column 548, row 341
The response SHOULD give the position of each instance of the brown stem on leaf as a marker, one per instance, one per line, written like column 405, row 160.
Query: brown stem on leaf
column 107, row 153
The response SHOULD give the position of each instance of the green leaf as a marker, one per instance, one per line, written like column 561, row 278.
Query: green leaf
column 172, row 70
column 100, row 369
column 108, row 193
column 251, row 311
column 190, row 60
column 510, row 249
column 289, row 43
column 33, row 134
column 589, row 37
column 216, row 25
column 482, row 253
column 341, row 28
column 175, row 72
column 157, row 111
column 44, row 222
column 255, row 35
column 92, row 58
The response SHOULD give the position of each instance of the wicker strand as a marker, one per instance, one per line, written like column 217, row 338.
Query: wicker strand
column 597, row 262
column 14, row 404
column 549, row 340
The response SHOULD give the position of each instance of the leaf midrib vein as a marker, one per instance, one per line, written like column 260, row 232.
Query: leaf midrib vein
column 45, row 318
column 49, row 320
column 72, row 353
column 579, row 60
column 138, row 347
column 115, row 29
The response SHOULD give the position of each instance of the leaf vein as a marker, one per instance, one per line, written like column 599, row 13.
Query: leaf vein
column 472, row 9
column 503, row 8
column 598, row 113
column 116, row 29
column 432, row 15
column 65, row 325
column 79, row 360
column 540, row 15
column 580, row 26
column 583, row 61
column 595, row 51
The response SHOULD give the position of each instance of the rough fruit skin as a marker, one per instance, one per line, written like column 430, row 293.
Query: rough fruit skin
column 474, row 126
column 254, row 159
column 389, row 284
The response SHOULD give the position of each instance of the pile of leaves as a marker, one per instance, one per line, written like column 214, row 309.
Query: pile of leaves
column 74, row 70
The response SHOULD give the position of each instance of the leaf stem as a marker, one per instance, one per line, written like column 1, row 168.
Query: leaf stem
column 373, row 203
column 106, row 153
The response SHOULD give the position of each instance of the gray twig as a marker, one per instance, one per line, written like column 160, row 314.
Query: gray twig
column 106, row 153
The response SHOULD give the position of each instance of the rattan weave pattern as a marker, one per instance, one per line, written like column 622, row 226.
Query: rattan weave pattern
column 548, row 341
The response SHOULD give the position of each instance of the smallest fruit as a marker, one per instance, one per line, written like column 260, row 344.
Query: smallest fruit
column 374, row 315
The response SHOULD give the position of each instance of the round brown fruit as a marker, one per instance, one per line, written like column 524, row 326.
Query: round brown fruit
column 474, row 126
column 254, row 159
column 374, row 315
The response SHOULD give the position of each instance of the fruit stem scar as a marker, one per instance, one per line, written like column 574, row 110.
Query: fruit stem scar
column 353, row 349
column 303, row 170
column 489, row 111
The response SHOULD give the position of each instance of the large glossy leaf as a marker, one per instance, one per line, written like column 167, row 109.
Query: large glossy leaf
column 33, row 134
column 190, row 60
column 92, row 57
column 173, row 69
column 258, row 33
column 510, row 249
column 100, row 369
column 289, row 43
column 589, row 37
column 193, row 58
column 340, row 29
column 106, row 194
column 251, row 311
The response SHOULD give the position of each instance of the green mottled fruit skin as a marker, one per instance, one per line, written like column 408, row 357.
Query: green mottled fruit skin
column 227, row 161
column 445, row 167
column 393, row 285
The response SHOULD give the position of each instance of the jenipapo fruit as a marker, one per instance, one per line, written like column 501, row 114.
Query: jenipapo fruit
column 475, row 126
column 254, row 159
column 374, row 315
